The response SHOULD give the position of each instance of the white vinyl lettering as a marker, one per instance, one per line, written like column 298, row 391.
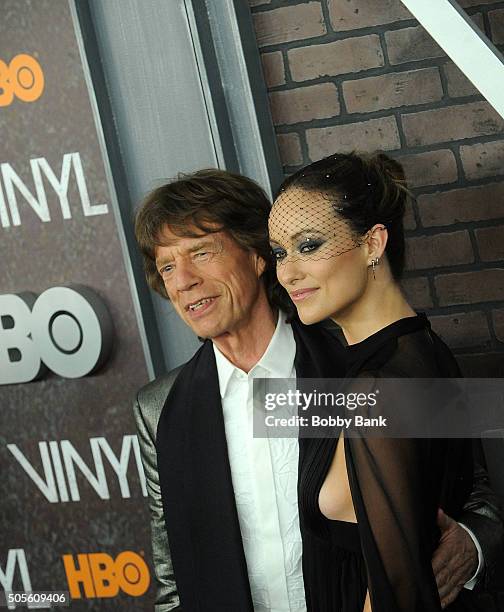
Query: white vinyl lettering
column 17, row 557
column 48, row 486
column 58, row 469
column 38, row 204
column 120, row 466
column 38, row 201
column 71, row 457
column 88, row 208
column 4, row 215
column 60, row 186
column 60, row 482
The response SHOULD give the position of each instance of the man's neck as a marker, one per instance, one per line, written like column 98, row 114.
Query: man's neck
column 245, row 346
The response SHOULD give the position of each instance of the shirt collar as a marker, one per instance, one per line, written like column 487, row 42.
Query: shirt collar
column 277, row 360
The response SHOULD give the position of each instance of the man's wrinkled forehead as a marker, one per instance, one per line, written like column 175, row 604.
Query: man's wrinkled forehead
column 173, row 233
column 186, row 239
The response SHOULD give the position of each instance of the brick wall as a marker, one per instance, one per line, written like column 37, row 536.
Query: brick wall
column 362, row 74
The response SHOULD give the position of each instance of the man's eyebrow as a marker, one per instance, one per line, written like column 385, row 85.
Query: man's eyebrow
column 202, row 243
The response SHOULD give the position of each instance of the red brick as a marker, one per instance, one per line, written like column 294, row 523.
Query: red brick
column 414, row 44
column 452, row 123
column 497, row 26
column 482, row 365
column 282, row 25
column 463, row 329
column 458, row 84
column 498, row 322
column 417, row 292
column 470, row 287
column 491, row 243
column 273, row 68
column 482, row 160
column 333, row 59
column 411, row 44
column 439, row 250
column 362, row 136
column 430, row 168
column 290, row 149
column 462, row 205
column 354, row 14
column 392, row 90
column 409, row 217
column 304, row 104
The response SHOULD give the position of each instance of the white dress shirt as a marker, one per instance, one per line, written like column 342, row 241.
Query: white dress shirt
column 264, row 474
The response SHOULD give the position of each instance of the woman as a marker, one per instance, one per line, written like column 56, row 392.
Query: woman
column 367, row 506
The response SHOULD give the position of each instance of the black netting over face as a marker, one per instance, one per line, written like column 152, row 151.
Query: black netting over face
column 306, row 222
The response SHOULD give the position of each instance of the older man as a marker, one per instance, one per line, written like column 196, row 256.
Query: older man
column 223, row 504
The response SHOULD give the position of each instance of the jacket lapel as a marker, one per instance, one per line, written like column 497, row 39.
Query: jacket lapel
column 197, row 491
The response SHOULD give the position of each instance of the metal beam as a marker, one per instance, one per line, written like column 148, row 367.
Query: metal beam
column 465, row 44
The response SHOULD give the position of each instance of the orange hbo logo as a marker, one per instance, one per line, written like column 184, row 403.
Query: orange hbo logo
column 22, row 78
column 102, row 576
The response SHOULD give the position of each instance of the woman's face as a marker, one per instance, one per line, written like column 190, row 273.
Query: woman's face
column 321, row 262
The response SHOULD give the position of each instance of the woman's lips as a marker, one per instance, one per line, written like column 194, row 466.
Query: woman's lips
column 302, row 294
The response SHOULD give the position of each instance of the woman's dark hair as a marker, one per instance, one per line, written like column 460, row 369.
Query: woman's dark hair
column 208, row 201
column 368, row 189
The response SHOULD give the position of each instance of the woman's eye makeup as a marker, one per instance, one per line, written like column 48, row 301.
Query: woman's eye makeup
column 305, row 247
column 278, row 253
column 310, row 244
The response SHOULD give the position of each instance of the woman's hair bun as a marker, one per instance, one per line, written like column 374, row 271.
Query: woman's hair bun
column 389, row 182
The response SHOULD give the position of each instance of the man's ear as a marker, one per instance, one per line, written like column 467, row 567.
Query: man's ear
column 260, row 265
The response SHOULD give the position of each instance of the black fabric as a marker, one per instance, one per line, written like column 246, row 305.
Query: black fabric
column 396, row 486
column 195, row 477
column 197, row 492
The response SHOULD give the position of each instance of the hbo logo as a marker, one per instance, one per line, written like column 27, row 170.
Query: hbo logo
column 102, row 576
column 66, row 329
column 23, row 78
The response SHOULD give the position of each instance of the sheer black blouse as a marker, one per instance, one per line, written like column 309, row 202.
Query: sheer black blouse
column 397, row 485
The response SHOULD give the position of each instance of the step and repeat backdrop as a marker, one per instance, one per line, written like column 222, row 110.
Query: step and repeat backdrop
column 72, row 492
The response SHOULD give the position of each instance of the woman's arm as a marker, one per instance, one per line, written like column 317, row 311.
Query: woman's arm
column 390, row 494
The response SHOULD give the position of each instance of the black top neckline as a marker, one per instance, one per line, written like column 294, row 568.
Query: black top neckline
column 361, row 352
column 406, row 325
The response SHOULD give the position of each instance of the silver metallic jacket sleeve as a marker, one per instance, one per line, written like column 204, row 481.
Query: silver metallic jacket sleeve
column 484, row 516
column 147, row 409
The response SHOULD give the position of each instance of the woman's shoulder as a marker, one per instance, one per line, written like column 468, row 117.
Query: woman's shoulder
column 421, row 354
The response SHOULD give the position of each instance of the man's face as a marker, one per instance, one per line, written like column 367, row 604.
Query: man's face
column 211, row 281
